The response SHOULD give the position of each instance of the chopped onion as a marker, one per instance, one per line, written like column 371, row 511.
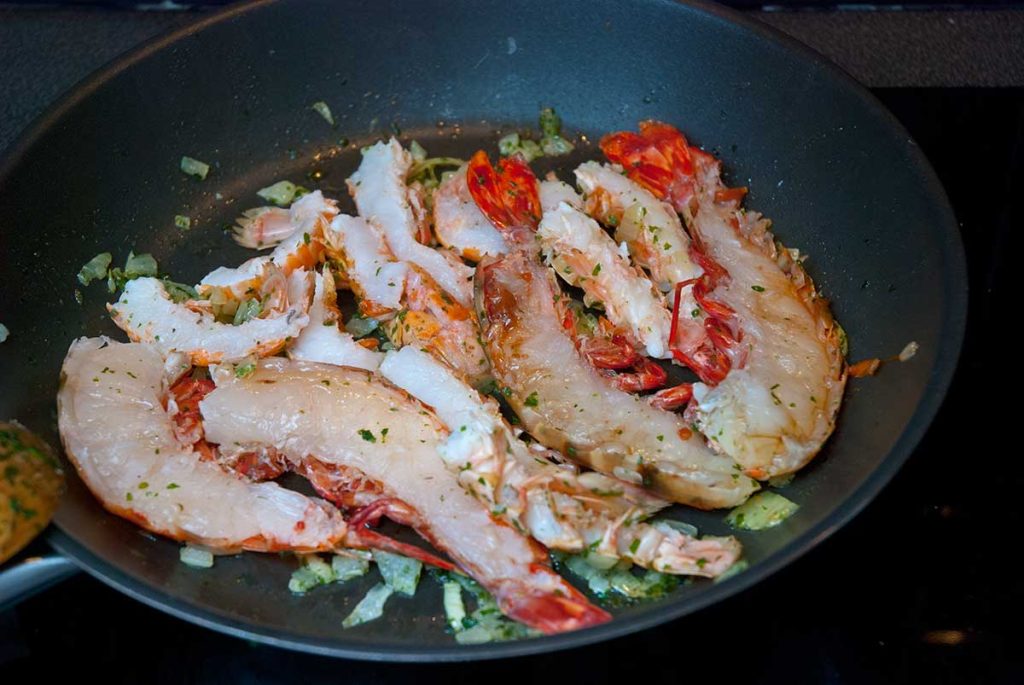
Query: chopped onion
column 281, row 193
column 347, row 568
column 370, row 607
column 417, row 151
column 361, row 327
column 183, row 222
column 323, row 110
column 734, row 570
column 402, row 574
column 141, row 265
column 555, row 146
column 95, row 268
column 454, row 608
column 763, row 510
column 193, row 167
column 196, row 557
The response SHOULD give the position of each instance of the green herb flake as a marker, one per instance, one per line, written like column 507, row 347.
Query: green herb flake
column 245, row 370
column 596, row 271
column 531, row 400
column 367, row 435
column 183, row 222
column 757, row 288
column 247, row 310
column 549, row 121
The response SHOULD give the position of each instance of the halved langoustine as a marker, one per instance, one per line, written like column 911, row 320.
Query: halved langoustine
column 117, row 429
column 777, row 405
column 350, row 421
column 382, row 196
column 322, row 340
column 566, row 405
column 538, row 493
column 510, row 196
column 147, row 313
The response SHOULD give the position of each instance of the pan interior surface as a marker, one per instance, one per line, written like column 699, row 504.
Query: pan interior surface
column 840, row 179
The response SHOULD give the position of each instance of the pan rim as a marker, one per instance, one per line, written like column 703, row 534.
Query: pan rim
column 953, row 329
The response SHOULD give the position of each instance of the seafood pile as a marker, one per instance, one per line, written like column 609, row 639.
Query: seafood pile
column 501, row 387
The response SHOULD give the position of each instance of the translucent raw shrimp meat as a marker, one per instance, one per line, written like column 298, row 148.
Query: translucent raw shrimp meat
column 322, row 340
column 538, row 493
column 382, row 196
column 117, row 429
column 351, row 420
column 566, row 405
column 148, row 314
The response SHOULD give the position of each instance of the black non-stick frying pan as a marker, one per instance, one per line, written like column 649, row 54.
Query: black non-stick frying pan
column 841, row 179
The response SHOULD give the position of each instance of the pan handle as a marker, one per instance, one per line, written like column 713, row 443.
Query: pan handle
column 31, row 575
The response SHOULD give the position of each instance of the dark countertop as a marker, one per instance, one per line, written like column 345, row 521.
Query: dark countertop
column 918, row 588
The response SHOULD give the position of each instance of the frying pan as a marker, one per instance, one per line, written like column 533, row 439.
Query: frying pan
column 839, row 177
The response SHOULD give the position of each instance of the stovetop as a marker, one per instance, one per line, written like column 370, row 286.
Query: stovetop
column 919, row 588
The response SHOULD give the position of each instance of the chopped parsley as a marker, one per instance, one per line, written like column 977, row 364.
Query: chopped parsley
column 367, row 435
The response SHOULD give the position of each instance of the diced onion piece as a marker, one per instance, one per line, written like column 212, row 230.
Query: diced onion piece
column 454, row 608
column 418, row 152
column 361, row 327
column 555, row 146
column 347, row 568
column 183, row 222
column 95, row 268
column 196, row 557
column 370, row 607
column 313, row 571
column 140, row 265
column 281, row 193
column 193, row 167
column 619, row 578
column 734, row 570
column 402, row 574
column 323, row 110
column 763, row 510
